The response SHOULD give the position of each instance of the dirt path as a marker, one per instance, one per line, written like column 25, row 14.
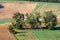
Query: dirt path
column 5, row 34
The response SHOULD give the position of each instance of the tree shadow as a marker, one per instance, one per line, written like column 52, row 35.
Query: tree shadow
column 45, row 1
column 22, row 35
column 1, row 6
column 56, row 28
column 21, row 32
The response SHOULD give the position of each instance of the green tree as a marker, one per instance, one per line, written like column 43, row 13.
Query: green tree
column 33, row 19
column 50, row 20
column 18, row 20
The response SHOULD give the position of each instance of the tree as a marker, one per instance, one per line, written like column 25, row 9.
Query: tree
column 18, row 20
column 50, row 20
column 33, row 19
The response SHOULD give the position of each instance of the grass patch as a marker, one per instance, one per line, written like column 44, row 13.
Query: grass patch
column 3, row 21
column 58, row 25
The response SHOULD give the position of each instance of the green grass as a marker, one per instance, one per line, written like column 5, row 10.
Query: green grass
column 40, row 34
column 1, row 1
column 3, row 21
column 58, row 25
column 8, row 0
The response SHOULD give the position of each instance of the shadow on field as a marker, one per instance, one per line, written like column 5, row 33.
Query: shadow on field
column 22, row 35
column 56, row 28
column 1, row 6
column 21, row 32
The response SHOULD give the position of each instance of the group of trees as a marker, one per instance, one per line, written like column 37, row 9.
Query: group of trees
column 33, row 20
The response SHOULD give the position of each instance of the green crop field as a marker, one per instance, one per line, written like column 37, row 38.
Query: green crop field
column 44, row 6
column 38, row 35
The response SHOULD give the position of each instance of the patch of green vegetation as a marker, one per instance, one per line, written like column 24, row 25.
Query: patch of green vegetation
column 19, row 1
column 58, row 25
column 41, row 34
column 8, row 0
column 3, row 21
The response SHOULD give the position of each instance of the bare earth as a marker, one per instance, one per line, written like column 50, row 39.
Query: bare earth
column 5, row 34
column 11, row 8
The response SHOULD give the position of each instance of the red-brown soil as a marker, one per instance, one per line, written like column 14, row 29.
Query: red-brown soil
column 5, row 34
